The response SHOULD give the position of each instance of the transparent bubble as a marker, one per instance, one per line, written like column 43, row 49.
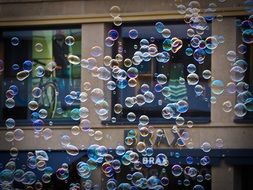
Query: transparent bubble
column 180, row 121
column 65, row 140
column 206, row 147
column 181, row 9
column 42, row 113
column 167, row 44
column 211, row 42
column 22, row 75
column 14, row 41
column 118, row 108
column 131, row 116
column 96, row 51
column 47, row 133
column 198, row 187
column 237, row 74
column 149, row 97
column 133, row 34
column 219, row 143
column 98, row 135
column 115, row 11
column 199, row 55
column 1, row 65
column 190, row 32
column 242, row 49
column 231, row 56
column 144, row 120
column 241, row 63
column 176, row 170
column 161, row 79
column 159, row 27
column 192, row 79
column 97, row 95
column 191, row 68
column 140, row 147
column 73, row 59
column 10, row 123
column 102, row 107
column 188, row 51
column 227, row 106
column 36, row 92
column 117, row 21
column 51, row 66
column 19, row 134
column 28, row 178
column 217, row 87
column 199, row 89
column 240, row 110
column 38, row 47
column 62, row 173
column 206, row 74
column 72, row 150
column 132, row 72
column 70, row 40
column 166, row 33
column 247, row 36
column 113, row 34
column 84, row 112
column 39, row 71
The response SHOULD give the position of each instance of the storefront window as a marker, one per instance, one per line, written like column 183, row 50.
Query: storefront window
column 40, row 80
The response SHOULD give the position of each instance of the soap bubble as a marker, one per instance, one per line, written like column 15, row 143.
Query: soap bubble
column 199, row 55
column 97, row 95
column 69, row 40
column 115, row 11
column 237, row 74
column 10, row 123
column 159, row 27
column 113, row 34
column 227, row 106
column 240, row 110
column 191, row 68
column 217, row 87
column 133, row 33
column 117, row 21
column 192, row 79
column 231, row 56
column 166, row 33
column 96, row 51
column 206, row 147
column 38, row 47
column 206, row 74
column 176, row 170
column 14, row 41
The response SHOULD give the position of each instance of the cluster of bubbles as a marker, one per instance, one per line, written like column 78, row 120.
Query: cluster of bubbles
column 117, row 77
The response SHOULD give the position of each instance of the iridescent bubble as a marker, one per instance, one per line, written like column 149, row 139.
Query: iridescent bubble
column 241, row 63
column 36, row 92
column 231, row 87
column 190, row 32
column 242, row 49
column 191, row 68
column 199, row 89
column 84, row 112
column 249, row 104
column 47, row 133
column 181, row 9
column 96, row 51
column 198, row 187
column 10, row 103
column 69, row 40
column 167, row 44
column 180, row 121
column 19, row 134
column 28, row 178
column 98, row 135
column 73, row 59
column 113, row 34
column 176, row 170
column 219, row 143
column 131, row 116
column 206, row 147
column 109, row 42
column 144, row 120
column 62, row 173
column 10, row 123
column 14, row 41
column 199, row 55
column 133, row 34
column 227, row 106
column 231, row 56
column 159, row 27
column 192, row 79
column 206, row 74
column 72, row 150
column 118, row 108
column 114, row 11
column 33, row 105
column 117, row 21
column 240, row 110
column 97, row 95
column 132, row 72
column 42, row 113
column 217, row 87
column 182, row 106
column 22, row 75
column 211, row 42
column 247, row 36
column 38, row 47
column 189, row 51
column 40, row 71
column 149, row 97
column 237, row 74
column 51, row 66
column 166, row 33
column 75, row 114
column 161, row 79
